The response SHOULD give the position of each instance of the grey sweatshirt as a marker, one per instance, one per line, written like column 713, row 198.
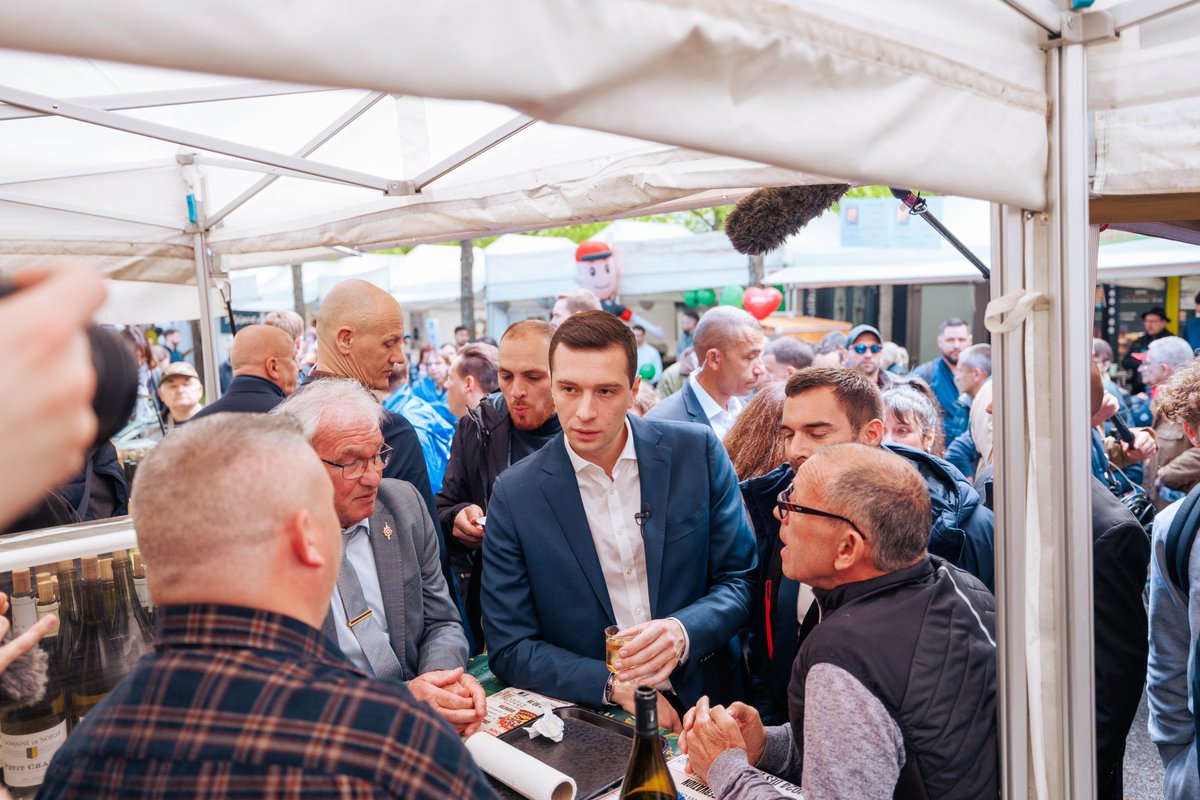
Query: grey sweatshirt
column 852, row 747
column 1174, row 625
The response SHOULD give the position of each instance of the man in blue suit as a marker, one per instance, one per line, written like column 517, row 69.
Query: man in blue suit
column 729, row 347
column 619, row 521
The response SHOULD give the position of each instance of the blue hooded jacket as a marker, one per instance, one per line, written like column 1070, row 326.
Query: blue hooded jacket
column 962, row 533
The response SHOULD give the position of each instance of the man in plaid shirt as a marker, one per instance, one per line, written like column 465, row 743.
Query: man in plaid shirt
column 242, row 697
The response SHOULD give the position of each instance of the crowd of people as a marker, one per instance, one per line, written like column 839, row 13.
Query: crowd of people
column 797, row 541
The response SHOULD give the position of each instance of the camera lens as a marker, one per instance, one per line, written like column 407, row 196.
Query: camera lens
column 116, row 381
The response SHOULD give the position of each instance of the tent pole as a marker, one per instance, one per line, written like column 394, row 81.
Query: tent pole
column 208, row 342
column 1011, row 460
column 467, row 284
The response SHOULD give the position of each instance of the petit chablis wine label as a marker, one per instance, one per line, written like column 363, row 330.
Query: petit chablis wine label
column 27, row 755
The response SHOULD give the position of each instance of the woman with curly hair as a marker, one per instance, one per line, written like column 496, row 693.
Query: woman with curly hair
column 754, row 443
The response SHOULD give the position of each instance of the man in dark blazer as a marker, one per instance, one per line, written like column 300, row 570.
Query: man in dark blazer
column 392, row 615
column 729, row 348
column 620, row 521
column 360, row 335
column 265, row 371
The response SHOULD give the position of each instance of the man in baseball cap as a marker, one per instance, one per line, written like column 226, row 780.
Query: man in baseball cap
column 864, row 351
column 180, row 391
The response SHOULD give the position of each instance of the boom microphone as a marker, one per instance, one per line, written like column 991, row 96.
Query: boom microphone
column 763, row 219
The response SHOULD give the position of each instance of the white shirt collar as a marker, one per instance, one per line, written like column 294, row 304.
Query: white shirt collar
column 627, row 452
column 710, row 406
column 352, row 531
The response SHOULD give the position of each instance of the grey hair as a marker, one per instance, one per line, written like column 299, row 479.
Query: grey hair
column 216, row 491
column 884, row 494
column 720, row 327
column 1172, row 350
column 977, row 356
column 912, row 407
column 791, row 351
column 341, row 401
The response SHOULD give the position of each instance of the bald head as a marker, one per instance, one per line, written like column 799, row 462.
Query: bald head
column 360, row 333
column 224, row 509
column 266, row 352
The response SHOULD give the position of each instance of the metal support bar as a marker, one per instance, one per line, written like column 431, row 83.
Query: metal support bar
column 168, row 133
column 1068, row 462
column 1135, row 12
column 331, row 130
column 208, row 342
column 250, row 166
column 1010, row 453
column 472, row 151
column 176, row 97
column 87, row 211
column 1043, row 12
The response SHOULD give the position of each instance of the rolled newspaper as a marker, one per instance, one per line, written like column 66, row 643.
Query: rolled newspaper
column 521, row 772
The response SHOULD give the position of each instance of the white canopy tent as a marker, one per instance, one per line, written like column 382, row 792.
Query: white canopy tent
column 966, row 98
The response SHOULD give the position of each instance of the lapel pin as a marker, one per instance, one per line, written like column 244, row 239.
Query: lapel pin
column 387, row 531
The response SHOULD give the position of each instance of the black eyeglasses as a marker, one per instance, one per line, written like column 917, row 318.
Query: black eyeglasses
column 862, row 348
column 353, row 470
column 786, row 506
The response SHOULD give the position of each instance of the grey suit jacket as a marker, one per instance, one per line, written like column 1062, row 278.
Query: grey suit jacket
column 423, row 622
column 683, row 406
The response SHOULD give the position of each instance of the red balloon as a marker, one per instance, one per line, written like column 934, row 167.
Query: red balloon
column 762, row 302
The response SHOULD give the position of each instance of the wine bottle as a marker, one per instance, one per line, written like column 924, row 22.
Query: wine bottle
column 140, row 585
column 97, row 659
column 32, row 734
column 109, row 591
column 132, row 628
column 647, row 776
column 69, row 609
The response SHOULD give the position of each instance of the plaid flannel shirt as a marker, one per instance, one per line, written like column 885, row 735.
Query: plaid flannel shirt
column 243, row 703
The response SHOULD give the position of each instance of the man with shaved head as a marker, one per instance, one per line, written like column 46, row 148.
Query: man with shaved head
column 242, row 694
column 265, row 371
column 729, row 348
column 360, row 335
column 893, row 694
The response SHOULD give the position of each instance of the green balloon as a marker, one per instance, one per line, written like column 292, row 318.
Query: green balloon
column 732, row 294
column 706, row 297
column 784, row 305
column 646, row 371
column 689, row 298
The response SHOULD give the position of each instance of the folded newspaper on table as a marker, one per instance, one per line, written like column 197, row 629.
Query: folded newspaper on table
column 691, row 787
column 512, row 707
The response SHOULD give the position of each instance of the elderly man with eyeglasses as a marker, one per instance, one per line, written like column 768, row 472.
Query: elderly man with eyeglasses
column 391, row 614
column 894, row 693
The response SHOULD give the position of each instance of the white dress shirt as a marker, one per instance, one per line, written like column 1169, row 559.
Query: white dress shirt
column 357, row 543
column 721, row 419
column 610, row 506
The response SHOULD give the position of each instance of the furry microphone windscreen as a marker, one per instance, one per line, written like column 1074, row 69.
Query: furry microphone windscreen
column 763, row 219
column 24, row 681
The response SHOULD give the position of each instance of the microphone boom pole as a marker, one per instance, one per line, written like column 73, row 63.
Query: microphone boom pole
column 917, row 206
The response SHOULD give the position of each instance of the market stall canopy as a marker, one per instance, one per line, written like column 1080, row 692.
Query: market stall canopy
column 99, row 159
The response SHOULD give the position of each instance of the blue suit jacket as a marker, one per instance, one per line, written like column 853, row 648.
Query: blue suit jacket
column 247, row 394
column 683, row 406
column 545, row 603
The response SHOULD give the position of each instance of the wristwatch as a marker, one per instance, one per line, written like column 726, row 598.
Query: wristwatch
column 608, row 690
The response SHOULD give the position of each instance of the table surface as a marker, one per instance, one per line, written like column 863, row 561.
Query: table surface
column 478, row 666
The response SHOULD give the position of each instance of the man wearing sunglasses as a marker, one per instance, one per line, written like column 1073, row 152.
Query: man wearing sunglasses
column 391, row 613
column 894, row 693
column 865, row 351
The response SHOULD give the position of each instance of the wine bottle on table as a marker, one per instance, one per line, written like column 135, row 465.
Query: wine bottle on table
column 647, row 776
column 31, row 735
column 97, row 659
column 132, row 626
